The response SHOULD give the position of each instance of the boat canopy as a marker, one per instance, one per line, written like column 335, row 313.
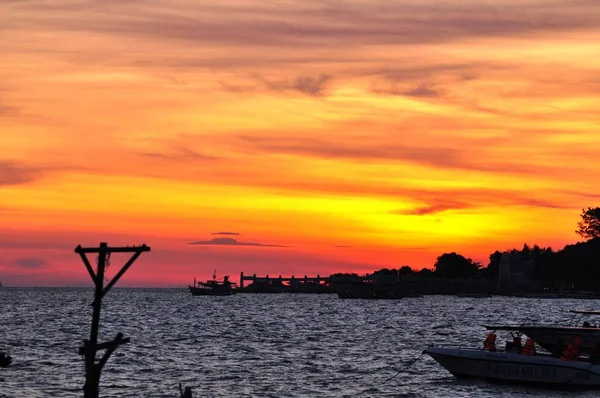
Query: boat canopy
column 585, row 312
column 574, row 320
column 502, row 327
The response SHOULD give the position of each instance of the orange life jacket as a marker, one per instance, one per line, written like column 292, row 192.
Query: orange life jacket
column 528, row 348
column 573, row 350
column 490, row 342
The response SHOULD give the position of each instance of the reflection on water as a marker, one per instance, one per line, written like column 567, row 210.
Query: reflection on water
column 254, row 345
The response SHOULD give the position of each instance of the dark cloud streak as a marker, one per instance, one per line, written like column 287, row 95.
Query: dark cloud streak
column 6, row 111
column 472, row 199
column 440, row 157
column 179, row 153
column 15, row 173
column 326, row 149
column 325, row 26
column 435, row 207
column 309, row 85
column 314, row 86
column 422, row 90
column 230, row 242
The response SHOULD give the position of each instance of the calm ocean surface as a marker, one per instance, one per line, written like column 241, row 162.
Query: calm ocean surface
column 279, row 345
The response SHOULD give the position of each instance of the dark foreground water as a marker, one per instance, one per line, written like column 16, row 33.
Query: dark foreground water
column 280, row 345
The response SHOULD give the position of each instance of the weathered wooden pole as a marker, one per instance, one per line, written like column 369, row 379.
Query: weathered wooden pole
column 90, row 347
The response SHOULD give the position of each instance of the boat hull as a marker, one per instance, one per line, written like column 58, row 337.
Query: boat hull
column 516, row 368
column 368, row 295
column 199, row 291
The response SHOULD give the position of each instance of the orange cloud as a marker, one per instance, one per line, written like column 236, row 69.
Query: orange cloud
column 402, row 129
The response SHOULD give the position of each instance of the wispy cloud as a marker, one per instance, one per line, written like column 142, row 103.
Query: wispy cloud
column 237, row 88
column 30, row 262
column 15, row 173
column 315, row 86
column 471, row 199
column 358, row 23
column 422, row 90
column 436, row 207
column 6, row 110
column 309, row 85
column 442, row 157
column 226, row 233
column 179, row 153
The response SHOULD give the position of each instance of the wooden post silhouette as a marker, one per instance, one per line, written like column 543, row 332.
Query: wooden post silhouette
column 90, row 347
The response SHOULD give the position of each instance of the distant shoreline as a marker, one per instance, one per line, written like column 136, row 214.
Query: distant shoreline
column 92, row 287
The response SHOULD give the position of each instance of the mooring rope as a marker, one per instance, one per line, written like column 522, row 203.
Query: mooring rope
column 405, row 368
column 400, row 371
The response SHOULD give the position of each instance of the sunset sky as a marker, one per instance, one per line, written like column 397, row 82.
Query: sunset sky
column 291, row 137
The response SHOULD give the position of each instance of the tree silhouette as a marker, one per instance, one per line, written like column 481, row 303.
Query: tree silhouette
column 491, row 271
column 405, row 270
column 525, row 252
column 425, row 273
column 589, row 226
column 452, row 265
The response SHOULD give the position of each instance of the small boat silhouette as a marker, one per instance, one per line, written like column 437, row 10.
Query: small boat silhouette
column 213, row 287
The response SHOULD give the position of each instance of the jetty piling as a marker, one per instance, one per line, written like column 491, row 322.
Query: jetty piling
column 266, row 284
column 318, row 279
column 90, row 347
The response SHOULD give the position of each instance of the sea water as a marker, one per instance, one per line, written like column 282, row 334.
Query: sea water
column 262, row 345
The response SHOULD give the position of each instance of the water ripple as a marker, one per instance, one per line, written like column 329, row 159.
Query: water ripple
column 277, row 345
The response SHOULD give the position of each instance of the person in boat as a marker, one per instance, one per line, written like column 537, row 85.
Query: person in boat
column 573, row 350
column 558, row 347
column 489, row 344
column 517, row 344
column 529, row 347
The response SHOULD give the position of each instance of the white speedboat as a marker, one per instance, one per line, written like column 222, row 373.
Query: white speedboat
column 516, row 368
column 554, row 337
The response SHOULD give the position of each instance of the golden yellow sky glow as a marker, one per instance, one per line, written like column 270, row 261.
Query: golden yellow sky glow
column 337, row 135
